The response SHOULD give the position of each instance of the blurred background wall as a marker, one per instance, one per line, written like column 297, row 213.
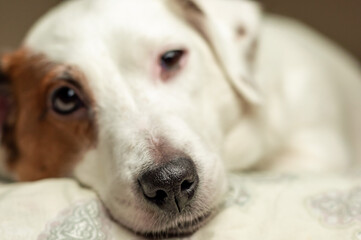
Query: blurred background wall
column 338, row 19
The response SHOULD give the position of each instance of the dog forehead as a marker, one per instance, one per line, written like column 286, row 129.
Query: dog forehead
column 107, row 39
column 101, row 27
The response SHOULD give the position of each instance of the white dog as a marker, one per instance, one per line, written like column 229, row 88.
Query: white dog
column 148, row 102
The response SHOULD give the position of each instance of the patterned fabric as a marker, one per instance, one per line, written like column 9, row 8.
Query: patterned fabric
column 337, row 208
column 236, row 195
column 85, row 221
column 272, row 207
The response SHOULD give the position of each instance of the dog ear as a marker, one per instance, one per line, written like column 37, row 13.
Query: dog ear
column 5, row 93
column 230, row 28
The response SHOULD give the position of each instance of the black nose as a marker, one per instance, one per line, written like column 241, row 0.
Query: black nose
column 170, row 186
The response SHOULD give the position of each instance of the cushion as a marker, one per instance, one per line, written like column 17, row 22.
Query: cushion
column 262, row 206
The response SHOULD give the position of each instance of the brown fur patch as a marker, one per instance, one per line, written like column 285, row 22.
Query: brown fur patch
column 191, row 13
column 190, row 6
column 40, row 143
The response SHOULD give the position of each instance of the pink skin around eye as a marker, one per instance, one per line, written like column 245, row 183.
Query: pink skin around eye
column 158, row 71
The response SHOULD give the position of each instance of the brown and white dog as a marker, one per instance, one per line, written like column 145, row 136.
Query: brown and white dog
column 148, row 102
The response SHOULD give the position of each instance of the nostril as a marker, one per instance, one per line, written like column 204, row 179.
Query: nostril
column 186, row 185
column 159, row 197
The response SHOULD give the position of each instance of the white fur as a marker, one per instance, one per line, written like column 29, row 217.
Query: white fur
column 297, row 118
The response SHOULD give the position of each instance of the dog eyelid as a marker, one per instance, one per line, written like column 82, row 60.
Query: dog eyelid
column 68, row 78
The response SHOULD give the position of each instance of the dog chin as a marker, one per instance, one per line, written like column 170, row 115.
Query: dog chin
column 170, row 225
column 178, row 227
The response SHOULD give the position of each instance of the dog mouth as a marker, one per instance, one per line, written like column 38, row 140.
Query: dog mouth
column 170, row 225
column 179, row 229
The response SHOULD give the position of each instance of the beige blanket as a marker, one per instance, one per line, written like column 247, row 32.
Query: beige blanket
column 261, row 207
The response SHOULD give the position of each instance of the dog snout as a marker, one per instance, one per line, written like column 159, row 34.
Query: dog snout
column 170, row 186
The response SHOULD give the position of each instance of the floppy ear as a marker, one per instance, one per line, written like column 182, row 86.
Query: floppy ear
column 5, row 94
column 230, row 28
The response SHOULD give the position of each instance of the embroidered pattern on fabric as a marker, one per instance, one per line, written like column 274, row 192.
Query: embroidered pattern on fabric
column 338, row 208
column 357, row 235
column 236, row 195
column 84, row 221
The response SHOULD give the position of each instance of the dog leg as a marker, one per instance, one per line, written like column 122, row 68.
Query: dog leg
column 314, row 152
column 244, row 146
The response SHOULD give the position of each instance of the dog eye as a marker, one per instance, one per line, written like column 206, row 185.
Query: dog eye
column 65, row 101
column 171, row 63
column 170, row 60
